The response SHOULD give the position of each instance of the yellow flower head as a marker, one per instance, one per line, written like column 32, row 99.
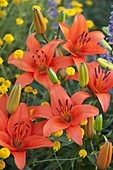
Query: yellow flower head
column 8, row 38
column 7, row 83
column 90, row 24
column 56, row 146
column 89, row 2
column 17, row 75
column 83, row 132
column 82, row 153
column 35, row 91
column 18, row 54
column 78, row 9
column 1, row 42
column 4, row 153
column 3, row 3
column 2, row 79
column 77, row 4
column 45, row 103
column 2, row 13
column 16, row 2
column 36, row 7
column 45, row 20
column 61, row 8
column 58, row 133
column 70, row 12
column 31, row 111
column 84, row 122
column 70, row 71
column 3, row 89
column 28, row 89
column 68, row 137
column 24, row 0
column 2, row 164
column 59, row 1
column 1, row 60
column 19, row 21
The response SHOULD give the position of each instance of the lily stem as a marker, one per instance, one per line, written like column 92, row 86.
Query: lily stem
column 58, row 32
column 44, row 37
column 58, row 161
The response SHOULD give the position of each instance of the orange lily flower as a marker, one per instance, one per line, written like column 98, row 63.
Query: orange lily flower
column 100, row 82
column 66, row 113
column 79, row 41
column 3, row 100
column 37, row 60
column 21, row 134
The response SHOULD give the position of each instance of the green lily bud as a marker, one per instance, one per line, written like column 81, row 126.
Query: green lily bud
column 61, row 16
column 53, row 77
column 105, row 30
column 105, row 64
column 83, row 75
column 13, row 99
column 98, row 123
column 106, row 45
column 39, row 22
column 89, row 128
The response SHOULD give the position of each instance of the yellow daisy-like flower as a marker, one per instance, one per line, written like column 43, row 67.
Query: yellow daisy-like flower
column 68, row 137
column 19, row 21
column 2, row 13
column 3, row 89
column 17, row 75
column 2, row 79
column 89, row 2
column 45, row 103
column 58, row 133
column 84, row 122
column 56, row 146
column 61, row 8
column 3, row 3
column 78, row 9
column 77, row 4
column 45, row 20
column 1, row 42
column 70, row 71
column 4, row 153
column 7, row 83
column 70, row 12
column 82, row 153
column 16, row 2
column 8, row 38
column 1, row 61
column 36, row 7
column 18, row 54
column 28, row 89
column 59, row 1
column 2, row 164
column 35, row 91
column 31, row 111
column 83, row 132
column 90, row 24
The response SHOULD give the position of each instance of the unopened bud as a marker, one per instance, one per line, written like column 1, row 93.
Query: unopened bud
column 106, row 45
column 83, row 75
column 13, row 99
column 53, row 77
column 89, row 128
column 104, row 156
column 105, row 30
column 98, row 123
column 39, row 22
column 61, row 16
column 105, row 64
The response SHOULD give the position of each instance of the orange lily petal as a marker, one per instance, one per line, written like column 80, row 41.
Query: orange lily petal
column 36, row 141
column 3, row 100
column 79, row 97
column 25, row 79
column 55, row 124
column 78, row 60
column 96, row 36
column 104, row 99
column 43, row 79
column 3, row 121
column 78, row 27
column 65, row 29
column 32, row 43
column 37, row 128
column 75, row 133
column 108, row 82
column 82, row 112
column 20, row 159
column 62, row 62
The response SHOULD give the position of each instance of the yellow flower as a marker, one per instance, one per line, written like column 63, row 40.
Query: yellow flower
column 24, row 0
column 31, row 111
column 1, row 60
column 70, row 12
column 2, row 79
column 18, row 54
column 77, row 4
column 68, row 137
column 84, row 122
column 59, row 1
column 3, row 89
column 89, row 2
column 17, row 75
column 83, row 132
column 61, row 8
column 8, row 38
column 3, row 3
column 78, row 9
column 70, row 71
column 28, row 89
column 1, row 42
column 82, row 153
column 19, row 21
column 36, row 7
column 90, row 24
column 35, row 91
column 2, row 165
column 58, row 133
column 45, row 103
column 2, row 13
column 56, row 146
column 45, row 20
column 4, row 153
column 16, row 2
column 7, row 83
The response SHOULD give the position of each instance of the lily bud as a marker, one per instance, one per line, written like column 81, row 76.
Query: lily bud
column 104, row 156
column 98, row 123
column 61, row 16
column 53, row 77
column 106, row 45
column 83, row 75
column 13, row 99
column 105, row 64
column 89, row 128
column 39, row 22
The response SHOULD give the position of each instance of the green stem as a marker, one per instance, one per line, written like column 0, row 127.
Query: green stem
column 49, row 160
column 58, row 33
column 30, row 29
column 67, row 87
column 44, row 37
column 3, row 47
column 58, row 161
column 3, row 71
column 92, row 147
